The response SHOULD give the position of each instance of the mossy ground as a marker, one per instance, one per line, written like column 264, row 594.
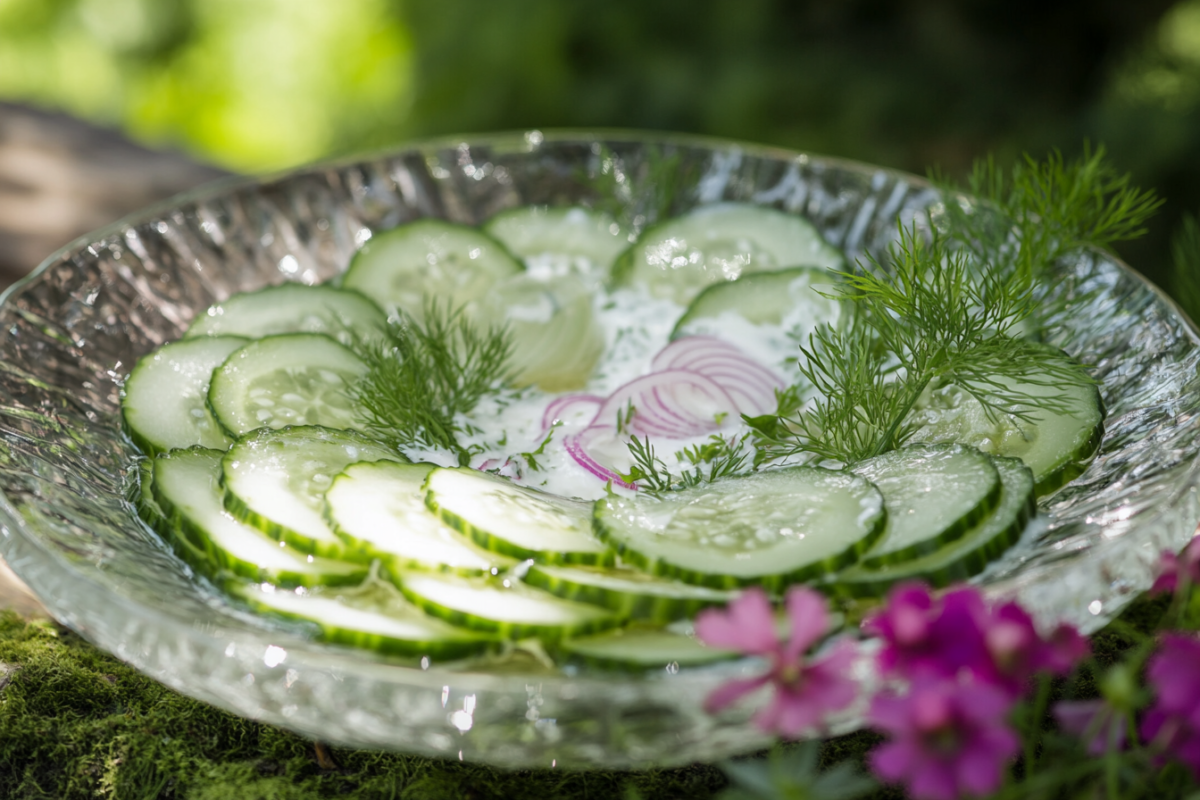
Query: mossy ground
column 76, row 723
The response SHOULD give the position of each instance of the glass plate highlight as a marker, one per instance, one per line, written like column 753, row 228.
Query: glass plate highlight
column 70, row 333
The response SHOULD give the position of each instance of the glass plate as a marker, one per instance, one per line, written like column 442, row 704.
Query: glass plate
column 71, row 332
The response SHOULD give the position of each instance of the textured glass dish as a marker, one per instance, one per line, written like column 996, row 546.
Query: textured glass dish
column 72, row 331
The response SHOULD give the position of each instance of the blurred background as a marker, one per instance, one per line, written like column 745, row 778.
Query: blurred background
column 261, row 85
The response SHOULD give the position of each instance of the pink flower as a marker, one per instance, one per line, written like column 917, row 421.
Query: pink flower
column 944, row 637
column 1018, row 652
column 1096, row 722
column 931, row 637
column 1173, row 722
column 947, row 738
column 805, row 690
column 1174, row 570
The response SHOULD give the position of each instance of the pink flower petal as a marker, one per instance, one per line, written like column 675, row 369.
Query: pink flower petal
column 727, row 694
column 794, row 713
column 1065, row 649
column 747, row 625
column 809, row 620
column 933, row 780
column 891, row 760
column 978, row 771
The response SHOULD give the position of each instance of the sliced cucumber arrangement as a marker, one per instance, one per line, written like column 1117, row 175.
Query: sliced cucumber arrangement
column 165, row 403
column 276, row 481
column 370, row 621
column 187, row 488
column 429, row 258
column 291, row 308
column 678, row 258
column 266, row 477
column 378, row 509
column 800, row 295
column 1056, row 445
column 289, row 379
column 561, row 240
column 503, row 606
column 641, row 649
column 767, row 529
column 966, row 556
column 515, row 521
column 629, row 592
column 933, row 495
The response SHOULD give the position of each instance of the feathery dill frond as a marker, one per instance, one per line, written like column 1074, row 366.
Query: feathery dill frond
column 422, row 374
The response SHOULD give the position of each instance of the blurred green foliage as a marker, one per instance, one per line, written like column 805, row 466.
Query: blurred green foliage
column 913, row 84
column 253, row 85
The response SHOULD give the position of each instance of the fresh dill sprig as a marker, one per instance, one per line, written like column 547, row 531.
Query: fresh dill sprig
column 421, row 375
column 716, row 458
column 950, row 306
column 1041, row 210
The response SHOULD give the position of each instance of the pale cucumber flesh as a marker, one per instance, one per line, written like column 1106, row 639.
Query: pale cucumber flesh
column 513, row 520
column 165, row 403
column 642, row 649
column 288, row 379
column 369, row 619
column 503, row 606
column 630, row 592
column 378, row 509
column 1055, row 445
column 560, row 240
column 276, row 481
column 678, row 258
column 291, row 308
column 933, row 495
column 765, row 299
column 187, row 487
column 966, row 556
column 405, row 267
column 771, row 528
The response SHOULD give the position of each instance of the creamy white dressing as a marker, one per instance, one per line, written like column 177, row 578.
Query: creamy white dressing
column 637, row 326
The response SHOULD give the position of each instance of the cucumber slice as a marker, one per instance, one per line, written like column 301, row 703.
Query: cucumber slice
column 378, row 509
column 639, row 649
column 289, row 379
column 1056, row 446
column 515, row 521
column 933, row 493
column 187, row 488
column 787, row 298
column 165, row 402
column 769, row 529
column 963, row 558
column 677, row 258
column 369, row 620
column 276, row 481
column 560, row 240
column 143, row 500
column 631, row 593
column 150, row 513
column 428, row 258
column 291, row 308
column 503, row 606
column 556, row 337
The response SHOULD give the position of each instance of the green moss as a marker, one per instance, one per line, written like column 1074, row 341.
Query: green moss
column 76, row 723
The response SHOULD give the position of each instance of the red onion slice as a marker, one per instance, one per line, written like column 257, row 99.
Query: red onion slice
column 675, row 404
column 577, row 445
column 569, row 405
column 749, row 383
